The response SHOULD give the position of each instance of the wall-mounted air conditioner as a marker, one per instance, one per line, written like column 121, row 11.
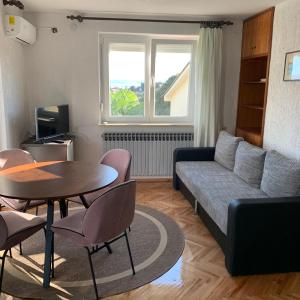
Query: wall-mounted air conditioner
column 20, row 30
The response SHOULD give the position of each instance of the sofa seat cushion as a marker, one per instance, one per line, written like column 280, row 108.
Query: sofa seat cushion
column 190, row 172
column 281, row 176
column 214, row 187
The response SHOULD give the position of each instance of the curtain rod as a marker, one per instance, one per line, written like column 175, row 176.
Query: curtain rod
column 209, row 24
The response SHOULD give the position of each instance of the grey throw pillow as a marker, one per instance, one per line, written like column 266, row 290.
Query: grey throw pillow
column 249, row 163
column 226, row 148
column 281, row 176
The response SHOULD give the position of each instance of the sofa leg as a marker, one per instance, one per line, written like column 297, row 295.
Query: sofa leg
column 175, row 182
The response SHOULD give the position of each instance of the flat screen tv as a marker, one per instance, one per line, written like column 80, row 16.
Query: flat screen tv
column 51, row 121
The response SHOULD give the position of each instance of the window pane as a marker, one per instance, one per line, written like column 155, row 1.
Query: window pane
column 126, row 79
column 172, row 72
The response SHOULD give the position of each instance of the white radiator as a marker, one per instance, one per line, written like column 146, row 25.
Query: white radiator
column 152, row 153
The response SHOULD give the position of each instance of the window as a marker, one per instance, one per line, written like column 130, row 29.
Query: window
column 126, row 79
column 172, row 74
column 145, row 79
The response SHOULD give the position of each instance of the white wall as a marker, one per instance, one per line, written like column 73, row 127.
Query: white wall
column 282, row 124
column 63, row 68
column 3, row 141
column 14, row 118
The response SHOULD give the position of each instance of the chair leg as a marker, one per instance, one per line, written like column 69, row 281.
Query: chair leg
column 21, row 250
column 129, row 251
column 36, row 210
column 129, row 229
column 93, row 273
column 2, row 269
column 108, row 248
column 63, row 208
column 67, row 206
column 10, row 253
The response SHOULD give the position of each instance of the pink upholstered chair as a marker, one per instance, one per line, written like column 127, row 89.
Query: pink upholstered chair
column 16, row 227
column 12, row 158
column 120, row 160
column 105, row 221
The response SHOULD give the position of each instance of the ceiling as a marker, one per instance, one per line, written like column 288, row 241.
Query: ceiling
column 189, row 8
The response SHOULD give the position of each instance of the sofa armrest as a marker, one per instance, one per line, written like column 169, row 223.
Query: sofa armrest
column 191, row 154
column 263, row 236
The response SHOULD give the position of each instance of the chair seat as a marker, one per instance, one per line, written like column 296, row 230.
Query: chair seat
column 20, row 226
column 71, row 228
column 19, row 205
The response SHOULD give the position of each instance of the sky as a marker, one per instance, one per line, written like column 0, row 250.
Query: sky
column 130, row 65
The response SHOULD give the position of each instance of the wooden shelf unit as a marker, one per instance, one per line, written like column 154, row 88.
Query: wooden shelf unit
column 253, row 106
column 254, row 73
column 250, row 134
column 254, row 82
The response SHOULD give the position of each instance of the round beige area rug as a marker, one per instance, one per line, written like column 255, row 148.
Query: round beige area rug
column 156, row 243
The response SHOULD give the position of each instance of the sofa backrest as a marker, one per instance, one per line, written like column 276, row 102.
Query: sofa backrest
column 226, row 149
column 281, row 176
column 275, row 174
column 249, row 163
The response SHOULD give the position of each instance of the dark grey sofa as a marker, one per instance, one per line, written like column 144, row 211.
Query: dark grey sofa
column 258, row 234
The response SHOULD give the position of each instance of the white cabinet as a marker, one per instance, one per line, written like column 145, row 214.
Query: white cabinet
column 50, row 151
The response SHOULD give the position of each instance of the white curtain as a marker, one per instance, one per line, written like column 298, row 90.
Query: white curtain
column 208, row 66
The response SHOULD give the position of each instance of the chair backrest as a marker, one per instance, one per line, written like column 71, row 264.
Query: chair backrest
column 110, row 214
column 3, row 232
column 119, row 159
column 14, row 157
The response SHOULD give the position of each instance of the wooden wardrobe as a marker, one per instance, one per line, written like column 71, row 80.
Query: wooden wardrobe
column 254, row 76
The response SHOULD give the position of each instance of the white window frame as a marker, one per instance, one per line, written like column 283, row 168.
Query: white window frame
column 150, row 43
column 166, row 119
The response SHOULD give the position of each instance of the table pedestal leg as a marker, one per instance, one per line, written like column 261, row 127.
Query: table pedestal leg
column 49, row 240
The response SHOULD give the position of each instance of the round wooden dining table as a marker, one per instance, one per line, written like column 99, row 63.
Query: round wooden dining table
column 54, row 181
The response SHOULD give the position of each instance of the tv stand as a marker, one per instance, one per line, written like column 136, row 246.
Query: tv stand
column 52, row 139
column 57, row 148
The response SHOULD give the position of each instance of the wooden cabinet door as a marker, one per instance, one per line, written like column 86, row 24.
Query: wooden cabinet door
column 257, row 34
column 263, row 33
column 247, row 39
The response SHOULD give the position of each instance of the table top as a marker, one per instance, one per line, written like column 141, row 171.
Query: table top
column 54, row 180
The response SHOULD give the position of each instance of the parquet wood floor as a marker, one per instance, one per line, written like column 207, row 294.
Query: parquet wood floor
column 200, row 273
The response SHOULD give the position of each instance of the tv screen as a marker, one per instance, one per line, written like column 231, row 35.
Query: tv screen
column 52, row 121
